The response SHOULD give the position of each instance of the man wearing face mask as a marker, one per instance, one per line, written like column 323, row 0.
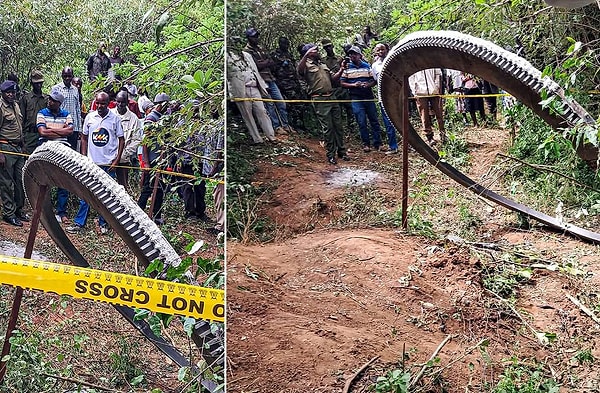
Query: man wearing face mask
column 102, row 140
column 11, row 162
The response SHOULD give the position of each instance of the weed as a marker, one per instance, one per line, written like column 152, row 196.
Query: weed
column 394, row 381
column 584, row 356
column 362, row 206
column 123, row 364
column 521, row 378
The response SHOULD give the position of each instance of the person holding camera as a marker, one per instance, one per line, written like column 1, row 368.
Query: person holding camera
column 320, row 88
column 358, row 78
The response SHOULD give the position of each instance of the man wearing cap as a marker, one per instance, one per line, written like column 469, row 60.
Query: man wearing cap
column 71, row 104
column 358, row 78
column 334, row 63
column 30, row 104
column 56, row 124
column 151, row 157
column 11, row 159
column 102, row 141
column 278, row 111
column 319, row 79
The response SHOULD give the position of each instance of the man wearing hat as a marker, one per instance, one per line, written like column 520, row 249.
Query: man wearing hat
column 56, row 124
column 334, row 63
column 30, row 104
column 358, row 78
column 278, row 111
column 320, row 88
column 11, row 159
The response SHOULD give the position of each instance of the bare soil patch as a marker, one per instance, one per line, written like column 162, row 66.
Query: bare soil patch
column 328, row 294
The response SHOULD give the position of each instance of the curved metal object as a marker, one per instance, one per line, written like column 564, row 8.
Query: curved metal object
column 453, row 50
column 55, row 165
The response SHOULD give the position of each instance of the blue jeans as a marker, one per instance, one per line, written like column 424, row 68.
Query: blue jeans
column 363, row 110
column 84, row 208
column 282, row 119
column 390, row 130
column 62, row 197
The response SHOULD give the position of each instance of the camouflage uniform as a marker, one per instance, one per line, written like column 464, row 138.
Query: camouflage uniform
column 287, row 80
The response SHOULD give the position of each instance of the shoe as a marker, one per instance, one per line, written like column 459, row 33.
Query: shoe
column 65, row 220
column 104, row 229
column 391, row 151
column 332, row 160
column 431, row 142
column 280, row 131
column 345, row 157
column 75, row 229
column 378, row 148
column 289, row 128
column 366, row 149
column 272, row 139
column 13, row 221
column 203, row 217
column 23, row 217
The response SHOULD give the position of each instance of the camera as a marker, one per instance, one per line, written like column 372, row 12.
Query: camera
column 347, row 59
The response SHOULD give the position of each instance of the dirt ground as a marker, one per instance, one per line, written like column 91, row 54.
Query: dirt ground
column 308, row 309
column 91, row 340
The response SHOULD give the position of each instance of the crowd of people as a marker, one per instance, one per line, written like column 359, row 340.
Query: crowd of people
column 116, row 134
column 261, row 82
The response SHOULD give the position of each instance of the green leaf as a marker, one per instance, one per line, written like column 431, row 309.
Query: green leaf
column 182, row 373
column 188, row 326
column 137, row 380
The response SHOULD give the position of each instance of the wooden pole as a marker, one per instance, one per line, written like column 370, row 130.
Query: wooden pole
column 14, row 313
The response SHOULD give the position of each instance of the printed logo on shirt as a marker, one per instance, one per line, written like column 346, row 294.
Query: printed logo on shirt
column 100, row 137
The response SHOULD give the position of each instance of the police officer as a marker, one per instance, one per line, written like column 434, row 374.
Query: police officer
column 11, row 158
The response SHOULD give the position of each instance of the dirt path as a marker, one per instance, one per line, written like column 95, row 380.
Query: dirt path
column 307, row 310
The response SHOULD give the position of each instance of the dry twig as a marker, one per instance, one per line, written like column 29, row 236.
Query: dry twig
column 357, row 373
column 419, row 375
column 583, row 308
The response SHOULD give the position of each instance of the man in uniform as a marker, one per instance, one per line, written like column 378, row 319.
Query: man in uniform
column 334, row 62
column 11, row 160
column 278, row 111
column 284, row 70
column 320, row 88
column 30, row 104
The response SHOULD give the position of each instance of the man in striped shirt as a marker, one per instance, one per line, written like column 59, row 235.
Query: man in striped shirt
column 71, row 103
column 358, row 79
column 56, row 124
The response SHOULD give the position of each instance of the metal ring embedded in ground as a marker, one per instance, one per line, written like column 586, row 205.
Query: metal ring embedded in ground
column 452, row 50
column 55, row 165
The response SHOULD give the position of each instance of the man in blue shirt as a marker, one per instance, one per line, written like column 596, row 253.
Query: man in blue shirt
column 358, row 79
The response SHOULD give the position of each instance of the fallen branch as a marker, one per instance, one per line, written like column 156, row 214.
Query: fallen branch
column 79, row 382
column 419, row 375
column 356, row 374
column 583, row 308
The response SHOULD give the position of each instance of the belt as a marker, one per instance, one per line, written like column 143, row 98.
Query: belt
column 322, row 94
column 7, row 142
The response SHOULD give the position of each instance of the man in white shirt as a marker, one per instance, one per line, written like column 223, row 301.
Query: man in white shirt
column 102, row 140
column 132, row 133
column 426, row 85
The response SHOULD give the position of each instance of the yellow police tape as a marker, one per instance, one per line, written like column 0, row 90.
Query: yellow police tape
column 114, row 288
